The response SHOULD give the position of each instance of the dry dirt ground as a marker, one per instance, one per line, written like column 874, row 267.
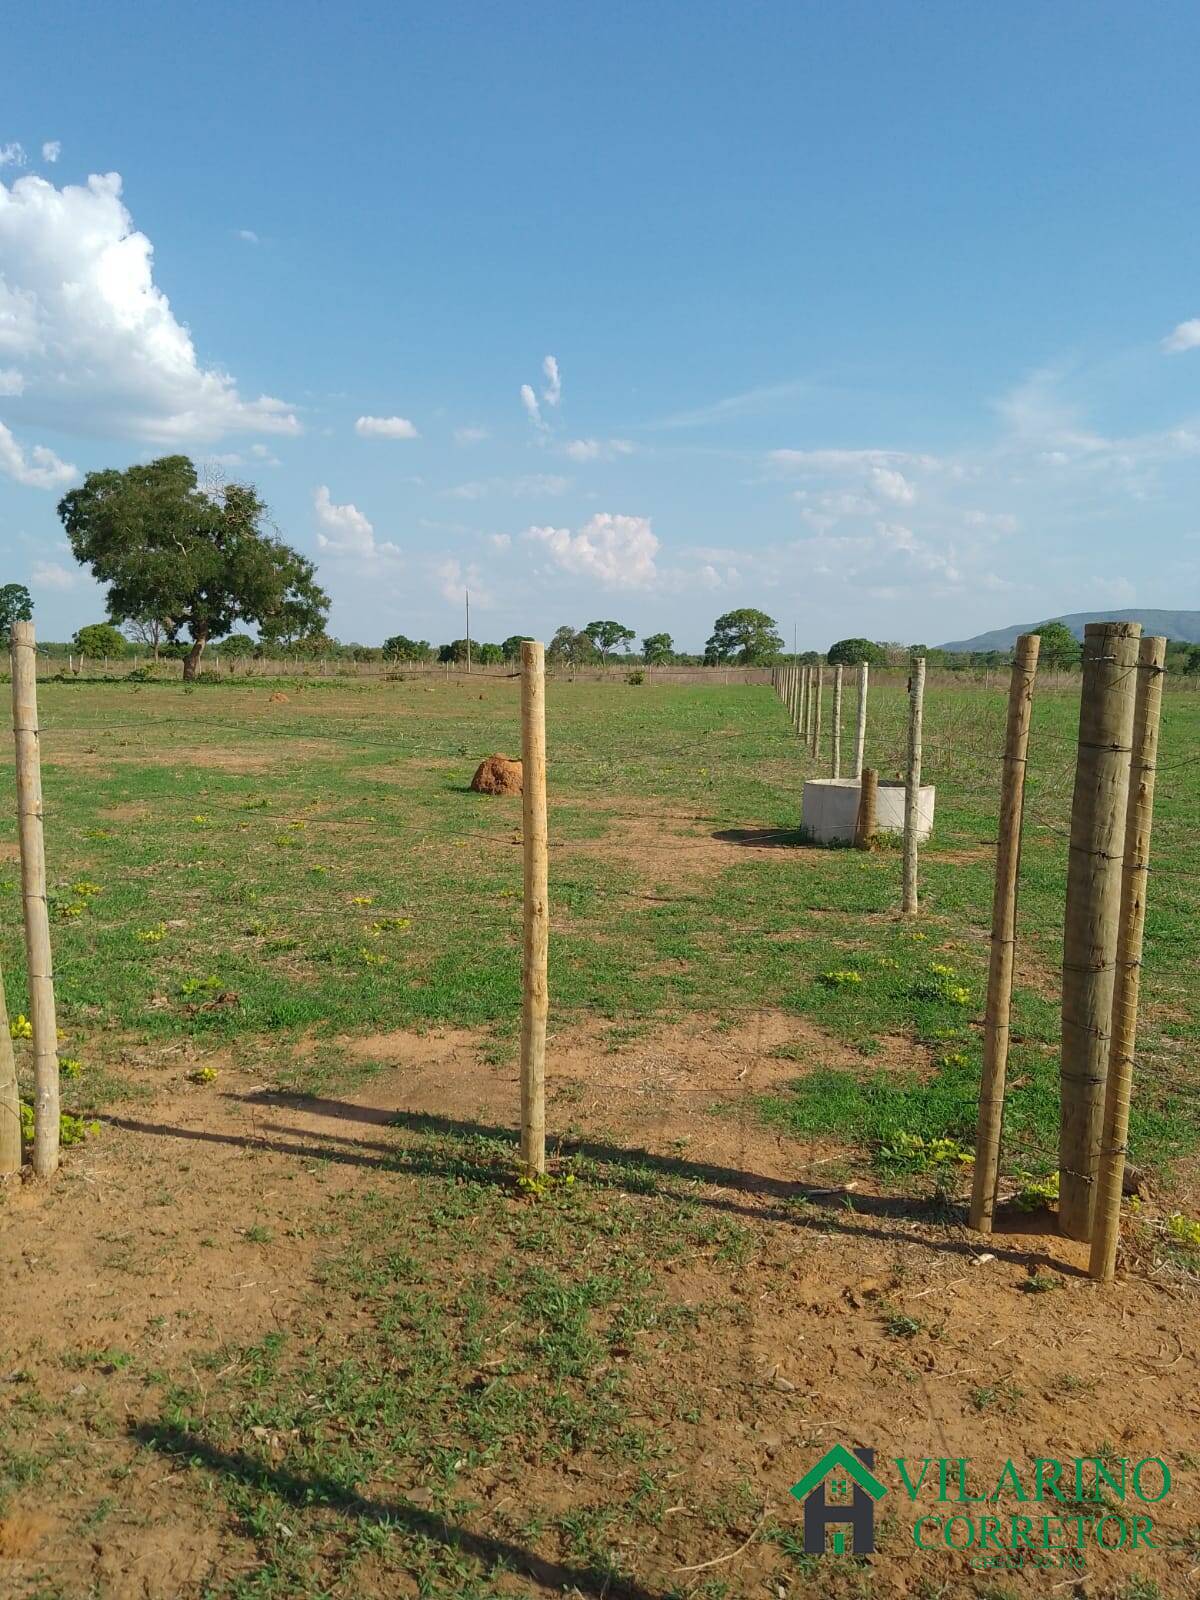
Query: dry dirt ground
column 126, row 1251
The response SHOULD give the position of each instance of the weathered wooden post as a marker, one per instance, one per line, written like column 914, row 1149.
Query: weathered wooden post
column 33, row 893
column 816, row 728
column 860, row 731
column 534, row 984
column 1004, row 935
column 865, row 822
column 912, row 785
column 802, row 725
column 1110, row 651
column 10, row 1100
column 1139, row 818
column 835, row 752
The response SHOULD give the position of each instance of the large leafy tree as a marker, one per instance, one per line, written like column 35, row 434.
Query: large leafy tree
column 100, row 639
column 15, row 606
column 200, row 561
column 745, row 636
column 1059, row 646
column 571, row 648
column 606, row 636
column 401, row 648
column 511, row 647
column 658, row 649
column 849, row 652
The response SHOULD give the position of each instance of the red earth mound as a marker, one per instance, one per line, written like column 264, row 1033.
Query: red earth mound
column 497, row 775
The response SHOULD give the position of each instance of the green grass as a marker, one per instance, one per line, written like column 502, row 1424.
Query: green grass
column 468, row 1348
column 350, row 882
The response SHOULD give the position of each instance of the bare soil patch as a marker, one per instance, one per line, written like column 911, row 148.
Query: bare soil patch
column 153, row 1240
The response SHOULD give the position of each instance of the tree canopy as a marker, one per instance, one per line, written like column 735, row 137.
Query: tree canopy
column 658, row 649
column 401, row 648
column 1059, row 647
column 575, row 649
column 849, row 652
column 606, row 636
column 15, row 606
column 745, row 636
column 100, row 639
column 511, row 647
column 200, row 561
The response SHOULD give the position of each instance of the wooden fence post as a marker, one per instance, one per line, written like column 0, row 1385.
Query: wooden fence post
column 33, row 892
column 1004, row 935
column 860, row 731
column 534, row 987
column 816, row 721
column 865, row 823
column 1139, row 818
column 1110, row 652
column 802, row 724
column 10, row 1100
column 912, row 785
column 835, row 753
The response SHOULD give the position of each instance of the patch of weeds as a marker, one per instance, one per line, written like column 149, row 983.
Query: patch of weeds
column 1040, row 1283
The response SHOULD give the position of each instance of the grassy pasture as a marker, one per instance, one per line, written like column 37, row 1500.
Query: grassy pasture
column 481, row 1393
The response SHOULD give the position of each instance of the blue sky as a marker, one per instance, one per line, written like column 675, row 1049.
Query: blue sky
column 885, row 318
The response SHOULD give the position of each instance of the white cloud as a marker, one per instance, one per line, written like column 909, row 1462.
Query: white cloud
column 248, row 235
column 500, row 541
column 847, row 460
column 343, row 530
column 51, row 150
column 552, row 393
column 385, row 428
column 597, row 449
column 616, row 551
column 889, row 484
column 470, row 435
column 97, row 340
column 52, row 575
column 12, row 155
column 37, row 468
column 12, row 382
column 530, row 401
column 455, row 581
column 1186, row 336
column 531, row 485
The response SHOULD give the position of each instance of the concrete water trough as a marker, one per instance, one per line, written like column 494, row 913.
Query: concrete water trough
column 830, row 809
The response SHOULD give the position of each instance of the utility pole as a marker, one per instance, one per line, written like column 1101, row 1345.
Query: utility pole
column 467, row 594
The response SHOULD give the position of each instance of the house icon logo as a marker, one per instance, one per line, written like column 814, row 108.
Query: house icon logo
column 849, row 1497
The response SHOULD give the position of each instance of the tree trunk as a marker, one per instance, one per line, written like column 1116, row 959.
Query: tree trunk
column 191, row 662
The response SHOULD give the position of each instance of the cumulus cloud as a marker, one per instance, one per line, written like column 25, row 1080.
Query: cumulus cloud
column 52, row 575
column 385, row 428
column 98, row 343
column 455, row 580
column 530, row 401
column 343, row 530
column 12, row 382
column 247, row 235
column 616, row 551
column 36, row 468
column 51, row 150
column 1185, row 336
column 552, row 393
column 12, row 155
column 889, row 484
column 597, row 449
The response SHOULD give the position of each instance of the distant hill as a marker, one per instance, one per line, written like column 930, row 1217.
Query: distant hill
column 1183, row 625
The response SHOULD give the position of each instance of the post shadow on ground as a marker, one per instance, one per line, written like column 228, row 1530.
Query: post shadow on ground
column 766, row 838
column 317, row 1490
column 622, row 1167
